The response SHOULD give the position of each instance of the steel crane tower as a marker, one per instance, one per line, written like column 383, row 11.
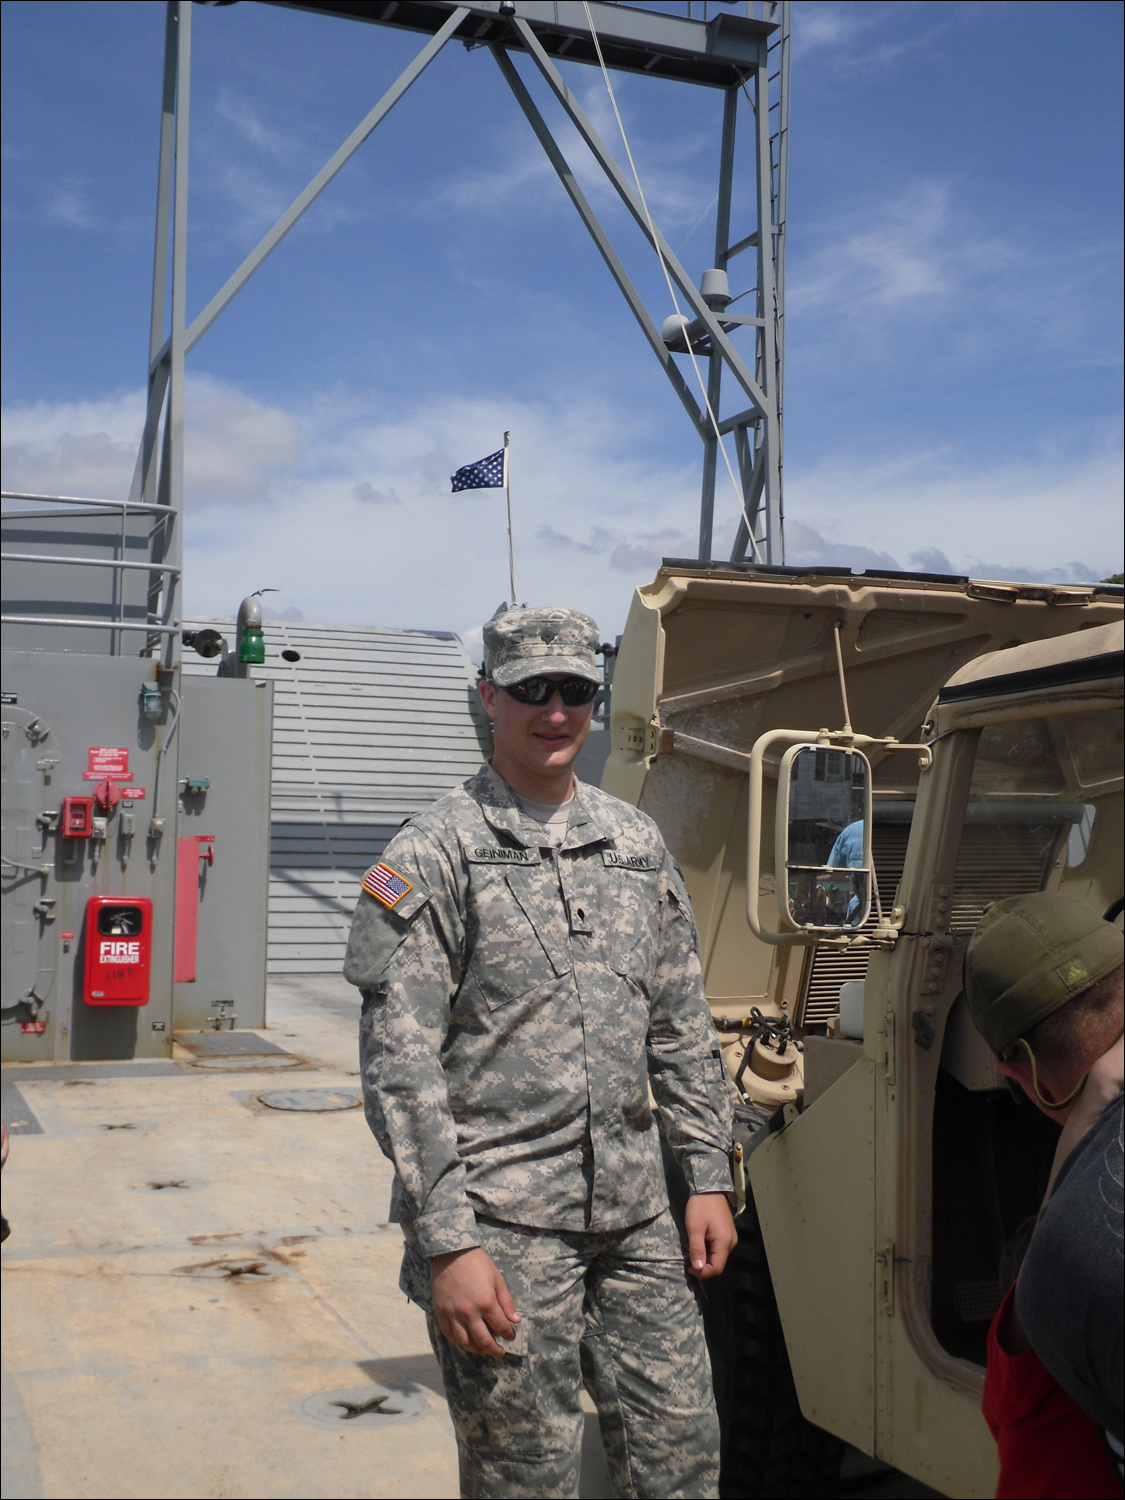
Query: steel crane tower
column 742, row 51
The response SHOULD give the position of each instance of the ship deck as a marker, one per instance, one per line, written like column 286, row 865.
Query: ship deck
column 193, row 1277
column 201, row 1291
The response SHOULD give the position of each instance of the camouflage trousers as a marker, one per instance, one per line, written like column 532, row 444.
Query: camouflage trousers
column 613, row 1311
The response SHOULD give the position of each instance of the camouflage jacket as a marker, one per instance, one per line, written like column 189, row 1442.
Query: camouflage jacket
column 517, row 1001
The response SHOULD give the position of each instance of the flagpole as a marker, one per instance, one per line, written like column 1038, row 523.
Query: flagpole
column 508, row 497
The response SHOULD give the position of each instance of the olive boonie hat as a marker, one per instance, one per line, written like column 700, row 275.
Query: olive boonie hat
column 1029, row 956
column 521, row 643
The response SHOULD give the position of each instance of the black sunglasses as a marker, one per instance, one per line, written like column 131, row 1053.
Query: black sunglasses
column 574, row 691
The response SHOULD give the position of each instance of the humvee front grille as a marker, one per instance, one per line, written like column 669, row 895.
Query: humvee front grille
column 831, row 967
column 992, row 862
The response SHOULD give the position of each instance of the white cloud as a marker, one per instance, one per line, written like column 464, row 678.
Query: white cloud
column 678, row 194
column 366, row 492
column 437, row 559
column 844, row 37
column 246, row 171
column 253, row 129
column 906, row 254
column 70, row 204
column 922, row 279
column 234, row 446
column 352, row 519
column 1059, row 512
column 826, row 26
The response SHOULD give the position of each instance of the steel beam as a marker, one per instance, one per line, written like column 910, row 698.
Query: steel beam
column 304, row 200
column 628, row 196
column 144, row 476
column 600, row 238
column 715, row 362
column 781, row 218
column 723, row 52
column 634, row 38
column 752, row 471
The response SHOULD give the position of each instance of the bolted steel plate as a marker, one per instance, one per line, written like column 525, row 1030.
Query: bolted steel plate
column 363, row 1407
column 315, row 1101
column 268, row 1063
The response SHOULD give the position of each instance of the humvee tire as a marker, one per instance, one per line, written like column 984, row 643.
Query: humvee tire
column 768, row 1447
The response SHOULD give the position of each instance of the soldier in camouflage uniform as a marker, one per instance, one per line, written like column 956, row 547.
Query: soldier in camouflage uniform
column 529, row 967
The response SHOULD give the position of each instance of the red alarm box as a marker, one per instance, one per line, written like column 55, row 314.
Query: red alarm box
column 77, row 817
column 118, row 950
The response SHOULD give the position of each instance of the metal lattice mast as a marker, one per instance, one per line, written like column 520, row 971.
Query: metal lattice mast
column 758, row 435
column 709, row 46
column 780, row 198
column 161, row 480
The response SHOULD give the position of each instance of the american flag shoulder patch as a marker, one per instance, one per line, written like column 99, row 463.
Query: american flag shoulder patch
column 386, row 885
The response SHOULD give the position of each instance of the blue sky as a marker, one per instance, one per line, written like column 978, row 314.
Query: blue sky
column 954, row 275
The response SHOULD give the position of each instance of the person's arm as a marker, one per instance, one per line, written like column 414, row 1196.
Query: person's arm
column 689, row 1080
column 406, row 962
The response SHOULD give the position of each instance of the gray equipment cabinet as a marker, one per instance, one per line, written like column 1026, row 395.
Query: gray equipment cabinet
column 135, row 805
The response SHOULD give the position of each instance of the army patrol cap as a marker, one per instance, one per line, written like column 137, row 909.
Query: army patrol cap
column 521, row 643
column 1029, row 956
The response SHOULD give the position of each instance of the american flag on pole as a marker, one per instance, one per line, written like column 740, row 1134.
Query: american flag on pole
column 386, row 885
column 485, row 474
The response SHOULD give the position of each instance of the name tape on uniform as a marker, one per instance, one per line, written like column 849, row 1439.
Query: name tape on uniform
column 481, row 854
column 386, row 885
column 629, row 861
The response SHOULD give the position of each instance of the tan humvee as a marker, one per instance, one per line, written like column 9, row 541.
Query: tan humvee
column 895, row 1184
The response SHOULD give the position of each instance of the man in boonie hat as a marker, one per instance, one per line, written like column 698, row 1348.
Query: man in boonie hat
column 1045, row 985
column 529, row 967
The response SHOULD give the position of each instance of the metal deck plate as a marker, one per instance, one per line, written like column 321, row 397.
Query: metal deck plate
column 251, row 1064
column 315, row 1101
column 226, row 1043
column 365, row 1406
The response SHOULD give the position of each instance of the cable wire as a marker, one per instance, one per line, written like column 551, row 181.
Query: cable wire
column 738, row 491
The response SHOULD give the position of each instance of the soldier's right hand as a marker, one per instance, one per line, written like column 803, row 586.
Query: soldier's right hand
column 471, row 1301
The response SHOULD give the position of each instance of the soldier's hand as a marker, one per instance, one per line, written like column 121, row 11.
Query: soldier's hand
column 471, row 1301
column 711, row 1234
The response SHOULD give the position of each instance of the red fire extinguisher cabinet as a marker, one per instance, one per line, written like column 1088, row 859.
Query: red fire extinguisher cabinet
column 118, row 950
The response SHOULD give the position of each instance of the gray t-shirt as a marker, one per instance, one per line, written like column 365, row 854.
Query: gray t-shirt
column 1070, row 1294
column 554, row 816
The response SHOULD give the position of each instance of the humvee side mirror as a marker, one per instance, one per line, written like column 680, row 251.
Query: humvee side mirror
column 823, row 839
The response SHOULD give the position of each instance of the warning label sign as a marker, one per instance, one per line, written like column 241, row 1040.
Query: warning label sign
column 104, row 761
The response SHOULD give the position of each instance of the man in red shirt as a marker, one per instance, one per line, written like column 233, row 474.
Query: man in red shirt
column 1044, row 984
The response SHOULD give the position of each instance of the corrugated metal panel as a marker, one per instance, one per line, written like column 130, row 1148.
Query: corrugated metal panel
column 992, row 862
column 829, row 968
column 369, row 727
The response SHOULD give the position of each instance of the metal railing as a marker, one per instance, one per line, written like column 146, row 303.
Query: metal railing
column 152, row 626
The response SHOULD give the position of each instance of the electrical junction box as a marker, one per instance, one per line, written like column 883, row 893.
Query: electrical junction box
column 118, row 950
column 77, row 817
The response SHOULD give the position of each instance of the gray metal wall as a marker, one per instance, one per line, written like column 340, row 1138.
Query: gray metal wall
column 370, row 726
column 41, row 588
column 226, row 740
column 70, row 702
column 65, row 703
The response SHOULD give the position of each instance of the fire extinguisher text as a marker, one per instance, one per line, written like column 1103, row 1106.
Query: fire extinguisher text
column 119, row 952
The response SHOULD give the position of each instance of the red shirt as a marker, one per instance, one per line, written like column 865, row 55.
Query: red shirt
column 1049, row 1448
